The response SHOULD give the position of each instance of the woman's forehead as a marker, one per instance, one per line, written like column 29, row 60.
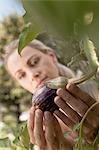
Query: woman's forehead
column 18, row 60
column 28, row 51
column 14, row 62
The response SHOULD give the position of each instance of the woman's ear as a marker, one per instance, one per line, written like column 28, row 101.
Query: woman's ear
column 53, row 56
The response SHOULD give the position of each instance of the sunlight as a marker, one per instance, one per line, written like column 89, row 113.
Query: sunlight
column 8, row 7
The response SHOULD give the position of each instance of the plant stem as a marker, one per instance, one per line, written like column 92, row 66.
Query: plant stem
column 81, row 123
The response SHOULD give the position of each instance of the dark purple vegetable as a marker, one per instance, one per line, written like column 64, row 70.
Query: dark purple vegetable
column 43, row 98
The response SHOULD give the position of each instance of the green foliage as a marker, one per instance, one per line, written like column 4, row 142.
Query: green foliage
column 5, row 142
column 63, row 20
column 13, row 99
column 81, row 144
column 10, row 29
column 26, row 36
column 22, row 138
column 60, row 16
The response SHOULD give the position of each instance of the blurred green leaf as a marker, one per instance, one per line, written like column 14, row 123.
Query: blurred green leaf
column 59, row 18
column 5, row 142
column 22, row 138
column 26, row 36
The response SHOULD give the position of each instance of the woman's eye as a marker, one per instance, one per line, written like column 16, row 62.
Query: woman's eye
column 34, row 62
column 21, row 75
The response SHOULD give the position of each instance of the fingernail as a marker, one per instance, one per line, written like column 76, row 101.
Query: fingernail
column 70, row 86
column 38, row 112
column 47, row 114
column 58, row 91
column 56, row 99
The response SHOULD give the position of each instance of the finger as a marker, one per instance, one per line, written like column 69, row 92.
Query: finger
column 67, row 109
column 57, row 129
column 50, row 136
column 35, row 147
column 77, row 104
column 87, row 128
column 38, row 129
column 67, row 121
column 30, row 124
column 64, row 142
column 77, row 92
column 88, row 124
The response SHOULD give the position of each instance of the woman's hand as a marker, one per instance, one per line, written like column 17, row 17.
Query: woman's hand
column 45, row 131
column 74, row 103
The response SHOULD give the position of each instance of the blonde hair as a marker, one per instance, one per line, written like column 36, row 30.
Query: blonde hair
column 9, row 49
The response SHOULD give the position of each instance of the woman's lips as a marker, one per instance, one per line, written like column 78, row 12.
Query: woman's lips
column 42, row 82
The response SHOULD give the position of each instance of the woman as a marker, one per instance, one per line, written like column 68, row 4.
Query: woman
column 36, row 65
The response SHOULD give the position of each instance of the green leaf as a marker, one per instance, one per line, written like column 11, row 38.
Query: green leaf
column 76, row 127
column 5, row 142
column 22, row 139
column 31, row 146
column 89, row 147
column 27, row 35
column 91, row 55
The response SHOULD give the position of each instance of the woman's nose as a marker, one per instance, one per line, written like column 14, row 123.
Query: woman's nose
column 36, row 74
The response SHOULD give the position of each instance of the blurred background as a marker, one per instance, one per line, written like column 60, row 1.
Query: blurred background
column 14, row 101
column 59, row 24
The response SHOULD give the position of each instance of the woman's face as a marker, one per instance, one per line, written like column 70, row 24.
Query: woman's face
column 32, row 68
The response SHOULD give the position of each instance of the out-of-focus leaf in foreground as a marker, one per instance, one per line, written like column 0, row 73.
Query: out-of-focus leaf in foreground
column 5, row 142
column 22, row 139
column 26, row 36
